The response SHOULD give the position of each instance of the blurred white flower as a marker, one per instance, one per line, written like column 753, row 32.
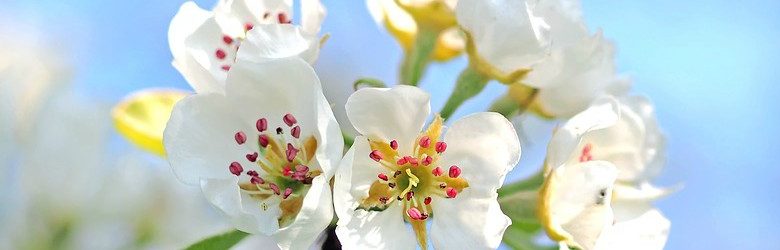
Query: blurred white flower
column 508, row 34
column 205, row 44
column 600, row 162
column 397, row 172
column 262, row 152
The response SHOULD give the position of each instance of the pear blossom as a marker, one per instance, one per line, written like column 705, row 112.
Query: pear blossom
column 508, row 35
column 397, row 173
column 405, row 29
column 205, row 44
column 263, row 152
column 596, row 194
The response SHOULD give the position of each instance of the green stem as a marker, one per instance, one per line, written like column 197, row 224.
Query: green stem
column 470, row 83
column 368, row 82
column 417, row 58
column 531, row 183
column 348, row 139
column 505, row 106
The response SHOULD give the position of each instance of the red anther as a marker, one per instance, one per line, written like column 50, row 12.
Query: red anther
column 427, row 200
column 437, row 171
column 261, row 124
column 412, row 160
column 289, row 119
column 397, row 173
column 236, row 168
column 286, row 170
column 402, row 161
column 252, row 173
column 220, row 54
column 427, row 161
column 252, row 157
column 248, row 26
column 454, row 171
column 291, row 152
column 394, row 144
column 451, row 193
column 391, row 185
column 382, row 176
column 376, row 155
column 296, row 132
column 586, row 155
column 287, row 193
column 425, row 141
column 409, row 195
column 440, row 147
column 414, row 213
column 383, row 200
column 423, row 216
column 240, row 137
column 283, row 18
column 263, row 140
column 225, row 67
column 302, row 169
column 274, row 187
column 256, row 180
column 227, row 39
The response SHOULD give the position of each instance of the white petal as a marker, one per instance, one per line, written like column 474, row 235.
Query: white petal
column 360, row 229
column 189, row 20
column 183, row 24
column 643, row 192
column 604, row 112
column 244, row 212
column 506, row 32
column 197, row 124
column 315, row 215
column 579, row 200
column 254, row 11
column 647, row 230
column 274, row 88
column 398, row 113
column 202, row 46
column 363, row 173
column 273, row 41
column 654, row 147
column 473, row 220
column 312, row 14
column 485, row 146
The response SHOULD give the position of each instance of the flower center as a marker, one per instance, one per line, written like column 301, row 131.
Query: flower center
column 412, row 180
column 227, row 47
column 281, row 172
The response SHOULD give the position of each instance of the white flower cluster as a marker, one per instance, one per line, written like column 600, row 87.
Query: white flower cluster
column 261, row 141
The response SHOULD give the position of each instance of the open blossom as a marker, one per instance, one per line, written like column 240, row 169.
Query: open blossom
column 401, row 24
column 396, row 172
column 205, row 44
column 596, row 194
column 507, row 34
column 262, row 152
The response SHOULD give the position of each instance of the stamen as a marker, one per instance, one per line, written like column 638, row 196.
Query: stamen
column 425, row 141
column 451, row 193
column 437, row 171
column 402, row 161
column 248, row 26
column 376, row 155
column 289, row 119
column 427, row 161
column 394, row 145
column 442, row 185
column 412, row 160
column 296, row 132
column 263, row 140
column 409, row 195
column 391, row 185
column 220, row 54
column 427, row 200
column 252, row 173
column 287, row 193
column 240, row 137
column 225, row 67
column 286, row 170
column 382, row 176
column 236, row 168
column 274, row 187
column 384, row 200
column 291, row 152
column 256, row 180
column 227, row 39
column 266, row 15
column 279, row 131
column 261, row 124
column 586, row 155
column 440, row 147
column 283, row 18
column 252, row 157
column 414, row 213
column 454, row 171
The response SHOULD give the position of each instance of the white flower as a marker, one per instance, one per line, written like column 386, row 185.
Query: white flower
column 263, row 152
column 599, row 161
column 204, row 43
column 508, row 34
column 396, row 172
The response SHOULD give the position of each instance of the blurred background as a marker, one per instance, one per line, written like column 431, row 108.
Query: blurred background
column 710, row 68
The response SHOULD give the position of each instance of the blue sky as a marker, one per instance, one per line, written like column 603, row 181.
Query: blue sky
column 709, row 66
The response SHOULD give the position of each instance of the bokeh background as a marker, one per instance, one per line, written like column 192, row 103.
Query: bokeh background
column 709, row 66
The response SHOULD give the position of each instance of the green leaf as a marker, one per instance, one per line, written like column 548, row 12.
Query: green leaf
column 221, row 241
